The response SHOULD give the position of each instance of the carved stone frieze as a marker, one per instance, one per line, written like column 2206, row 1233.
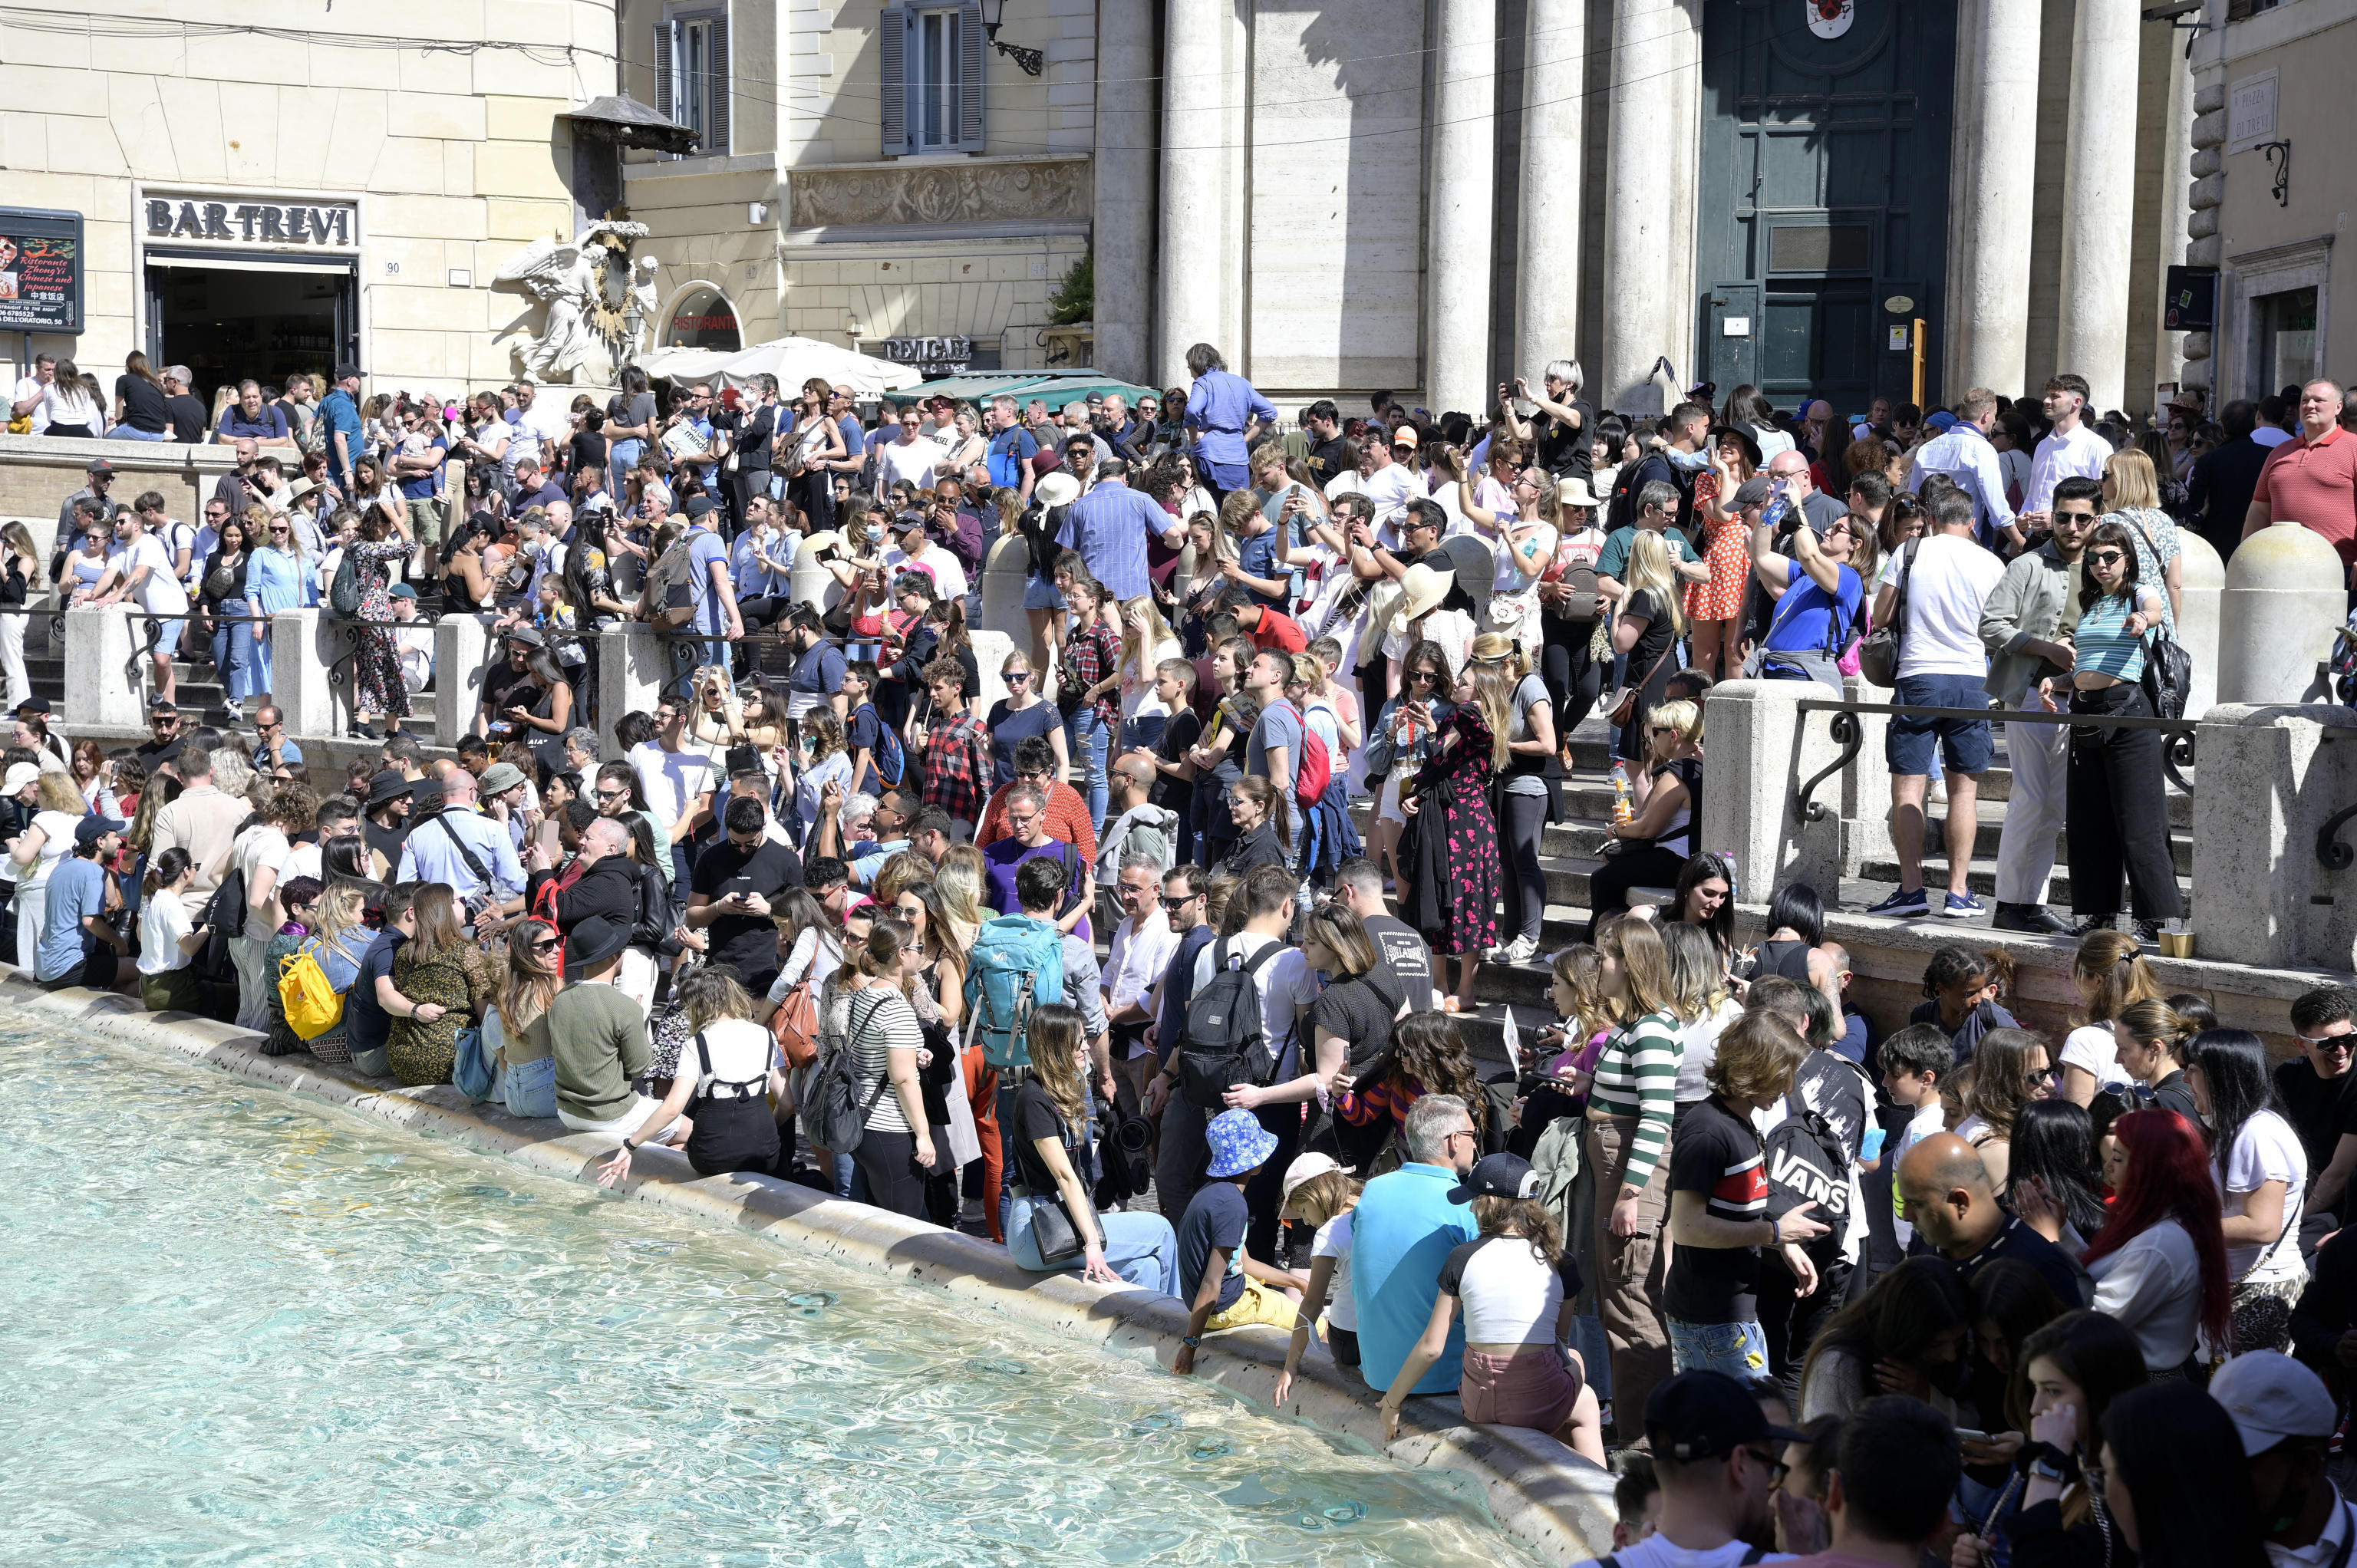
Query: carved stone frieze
column 941, row 193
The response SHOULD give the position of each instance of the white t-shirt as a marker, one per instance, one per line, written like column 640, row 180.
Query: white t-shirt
column 2266, row 1150
column 1390, row 492
column 816, row 955
column 1287, row 985
column 1656, row 1552
column 28, row 386
column 302, row 860
column 2093, row 1048
column 1929, row 1121
column 1509, row 1293
column 1137, row 698
column 740, row 1051
column 1699, row 1048
column 1334, row 1241
column 259, row 849
column 1951, row 578
column 2153, row 1287
column 163, row 921
column 912, row 460
column 161, row 593
column 672, row 779
column 946, row 571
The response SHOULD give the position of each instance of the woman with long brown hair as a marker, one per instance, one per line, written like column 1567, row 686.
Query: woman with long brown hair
column 440, row 983
column 2112, row 976
column 2010, row 1070
column 377, row 685
column 1449, row 856
column 727, row 1076
column 515, row 1028
column 140, row 413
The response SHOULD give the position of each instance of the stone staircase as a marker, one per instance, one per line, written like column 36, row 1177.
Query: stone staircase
column 198, row 689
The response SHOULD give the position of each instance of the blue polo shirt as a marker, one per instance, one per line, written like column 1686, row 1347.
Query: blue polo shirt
column 76, row 891
column 338, row 411
column 1403, row 1230
column 424, row 487
column 271, row 425
column 1010, row 450
column 704, row 548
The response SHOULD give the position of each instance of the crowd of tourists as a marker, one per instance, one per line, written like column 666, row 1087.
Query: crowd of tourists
column 1107, row 973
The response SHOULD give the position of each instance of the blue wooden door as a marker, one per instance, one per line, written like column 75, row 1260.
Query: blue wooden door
column 1824, row 190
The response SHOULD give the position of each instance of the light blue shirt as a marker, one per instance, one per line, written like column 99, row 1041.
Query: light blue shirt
column 275, row 580
column 77, row 890
column 429, row 856
column 704, row 548
column 1966, row 456
column 1109, row 527
column 754, row 580
column 1220, row 405
column 1403, row 1230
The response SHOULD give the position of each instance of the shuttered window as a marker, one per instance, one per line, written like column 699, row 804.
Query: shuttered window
column 691, row 77
column 931, row 67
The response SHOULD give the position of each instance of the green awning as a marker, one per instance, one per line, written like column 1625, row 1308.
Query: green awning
column 1055, row 388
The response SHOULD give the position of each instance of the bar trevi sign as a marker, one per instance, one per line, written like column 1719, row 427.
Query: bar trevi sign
column 268, row 220
column 931, row 355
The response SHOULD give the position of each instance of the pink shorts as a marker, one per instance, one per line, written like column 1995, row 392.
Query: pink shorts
column 1534, row 1387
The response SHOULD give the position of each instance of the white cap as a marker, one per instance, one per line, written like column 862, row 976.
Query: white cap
column 1304, row 1168
column 2270, row 1396
column 19, row 775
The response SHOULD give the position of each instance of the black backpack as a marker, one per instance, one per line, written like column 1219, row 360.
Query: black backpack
column 225, row 914
column 1225, row 1044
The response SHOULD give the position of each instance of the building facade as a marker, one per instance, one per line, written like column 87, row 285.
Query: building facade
column 2270, row 197
column 876, row 176
column 262, row 186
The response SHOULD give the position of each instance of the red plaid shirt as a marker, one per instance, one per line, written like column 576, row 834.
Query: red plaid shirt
column 957, row 765
column 1091, row 656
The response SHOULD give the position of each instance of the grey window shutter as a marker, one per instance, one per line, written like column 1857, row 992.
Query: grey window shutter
column 716, row 93
column 665, row 103
column 970, row 57
column 895, row 34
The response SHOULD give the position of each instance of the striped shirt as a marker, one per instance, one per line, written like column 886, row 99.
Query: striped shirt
column 1636, row 1075
column 893, row 1025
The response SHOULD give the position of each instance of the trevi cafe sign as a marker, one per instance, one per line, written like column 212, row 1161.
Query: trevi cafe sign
column 262, row 220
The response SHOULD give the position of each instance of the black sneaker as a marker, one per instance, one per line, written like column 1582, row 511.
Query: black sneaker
column 2035, row 920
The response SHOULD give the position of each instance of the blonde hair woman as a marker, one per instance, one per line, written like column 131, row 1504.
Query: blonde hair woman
column 1657, row 843
column 1646, row 629
column 1024, row 710
column 1146, row 641
column 47, row 839
column 963, row 884
column 341, row 943
column 19, row 583
column 2131, row 500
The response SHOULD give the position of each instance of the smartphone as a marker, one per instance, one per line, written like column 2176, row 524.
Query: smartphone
column 1872, row 1147
column 1966, row 1434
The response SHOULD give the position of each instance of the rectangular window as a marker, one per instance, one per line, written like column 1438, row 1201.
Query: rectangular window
column 932, row 70
column 937, row 90
column 691, row 77
column 1835, row 248
column 2285, row 323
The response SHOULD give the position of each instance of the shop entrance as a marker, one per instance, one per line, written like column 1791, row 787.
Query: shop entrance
column 233, row 319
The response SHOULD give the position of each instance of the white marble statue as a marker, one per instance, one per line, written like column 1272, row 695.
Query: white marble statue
column 639, row 311
column 570, row 279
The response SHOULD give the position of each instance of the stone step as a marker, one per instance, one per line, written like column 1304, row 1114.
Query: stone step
column 1882, row 875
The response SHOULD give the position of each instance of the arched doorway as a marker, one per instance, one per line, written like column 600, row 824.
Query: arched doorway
column 703, row 318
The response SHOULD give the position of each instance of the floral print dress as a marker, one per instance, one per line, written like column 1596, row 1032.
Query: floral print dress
column 1726, row 551
column 1456, row 780
column 463, row 979
column 378, row 658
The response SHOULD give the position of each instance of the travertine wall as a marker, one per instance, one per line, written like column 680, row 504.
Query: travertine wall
column 454, row 153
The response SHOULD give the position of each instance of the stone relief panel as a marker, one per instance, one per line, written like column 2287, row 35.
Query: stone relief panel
column 941, row 193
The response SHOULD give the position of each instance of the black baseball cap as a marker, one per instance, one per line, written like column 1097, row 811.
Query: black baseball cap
column 90, row 830
column 1497, row 1175
column 1704, row 1414
column 698, row 506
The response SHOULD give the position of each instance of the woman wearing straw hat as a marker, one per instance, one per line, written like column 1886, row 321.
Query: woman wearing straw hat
column 1570, row 611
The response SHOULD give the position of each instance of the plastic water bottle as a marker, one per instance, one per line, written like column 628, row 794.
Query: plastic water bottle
column 1622, row 810
column 1778, row 505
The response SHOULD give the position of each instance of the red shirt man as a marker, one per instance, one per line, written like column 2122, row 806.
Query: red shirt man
column 1268, row 628
column 2312, row 478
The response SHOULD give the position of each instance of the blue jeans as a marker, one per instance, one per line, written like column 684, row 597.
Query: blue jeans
column 1739, row 1349
column 132, row 433
column 234, row 656
column 1144, row 732
column 1141, row 1248
column 1092, row 740
column 530, row 1087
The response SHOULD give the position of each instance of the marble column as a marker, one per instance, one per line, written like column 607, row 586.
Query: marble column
column 2099, row 200
column 1997, row 114
column 1555, row 112
column 1121, row 214
column 1462, row 212
column 1650, row 169
column 1188, row 260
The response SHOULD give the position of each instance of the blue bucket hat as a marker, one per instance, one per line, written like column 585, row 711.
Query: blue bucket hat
column 1239, row 1144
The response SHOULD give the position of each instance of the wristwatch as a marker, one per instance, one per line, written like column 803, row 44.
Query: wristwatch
column 1192, row 1341
column 628, row 1147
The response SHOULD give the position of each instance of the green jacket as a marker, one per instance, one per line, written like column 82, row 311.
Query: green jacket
column 2026, row 604
column 598, row 1037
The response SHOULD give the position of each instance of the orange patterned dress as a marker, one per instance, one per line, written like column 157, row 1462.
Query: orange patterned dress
column 1727, row 553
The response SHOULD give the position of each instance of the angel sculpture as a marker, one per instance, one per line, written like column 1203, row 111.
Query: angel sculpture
column 570, row 279
column 639, row 310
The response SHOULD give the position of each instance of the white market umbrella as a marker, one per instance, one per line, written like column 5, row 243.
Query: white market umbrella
column 793, row 360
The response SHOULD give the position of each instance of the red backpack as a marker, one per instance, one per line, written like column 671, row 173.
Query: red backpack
column 1316, row 771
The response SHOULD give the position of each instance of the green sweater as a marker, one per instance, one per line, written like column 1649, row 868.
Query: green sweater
column 598, row 1037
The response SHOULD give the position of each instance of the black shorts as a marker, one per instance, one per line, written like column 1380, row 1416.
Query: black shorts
column 98, row 970
column 1344, row 1344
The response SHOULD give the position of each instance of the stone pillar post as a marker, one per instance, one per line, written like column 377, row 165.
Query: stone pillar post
column 1554, row 123
column 1996, row 117
column 1462, row 212
column 632, row 667
column 305, row 684
column 2282, row 603
column 1865, row 783
column 1122, row 213
column 1649, row 182
column 462, row 643
column 106, row 681
column 2099, row 200
column 2202, row 586
column 1765, row 746
column 2270, row 778
column 1189, row 267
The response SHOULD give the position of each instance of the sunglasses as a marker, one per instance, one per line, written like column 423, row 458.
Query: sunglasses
column 1015, row 676
column 2104, row 557
column 547, row 943
column 2342, row 1043
column 1179, row 903
column 613, row 794
column 1424, row 675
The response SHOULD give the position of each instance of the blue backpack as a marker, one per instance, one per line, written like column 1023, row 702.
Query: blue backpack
column 1017, row 962
column 891, row 762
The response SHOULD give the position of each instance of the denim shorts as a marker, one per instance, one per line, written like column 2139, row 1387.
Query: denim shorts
column 1040, row 594
column 529, row 1088
column 1966, row 744
column 1739, row 1349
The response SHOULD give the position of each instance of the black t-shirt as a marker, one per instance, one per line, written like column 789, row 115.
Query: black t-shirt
column 190, row 422
column 1180, row 736
column 1361, row 1010
column 142, row 403
column 504, row 688
column 1562, row 451
column 1405, row 953
column 1650, row 646
column 748, row 941
column 1814, row 1141
column 2068, row 1281
column 586, row 451
column 2175, row 1092
column 1717, row 1154
column 1036, row 1117
column 1328, row 458
column 1216, row 1216
column 2320, row 1110
column 1788, row 958
column 386, row 841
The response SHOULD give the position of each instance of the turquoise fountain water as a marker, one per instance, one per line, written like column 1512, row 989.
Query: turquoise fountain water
column 243, row 1329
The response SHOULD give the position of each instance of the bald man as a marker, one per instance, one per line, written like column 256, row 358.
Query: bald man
column 596, row 897
column 1945, row 1193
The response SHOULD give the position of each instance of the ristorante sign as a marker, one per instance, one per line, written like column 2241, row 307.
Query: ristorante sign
column 233, row 220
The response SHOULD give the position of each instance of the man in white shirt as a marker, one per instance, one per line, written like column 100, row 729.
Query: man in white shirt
column 912, row 458
column 913, row 551
column 1142, row 944
column 1714, row 1456
column 2286, row 1419
column 678, row 783
column 1965, row 456
column 2072, row 448
column 31, row 401
column 138, row 569
column 1941, row 664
